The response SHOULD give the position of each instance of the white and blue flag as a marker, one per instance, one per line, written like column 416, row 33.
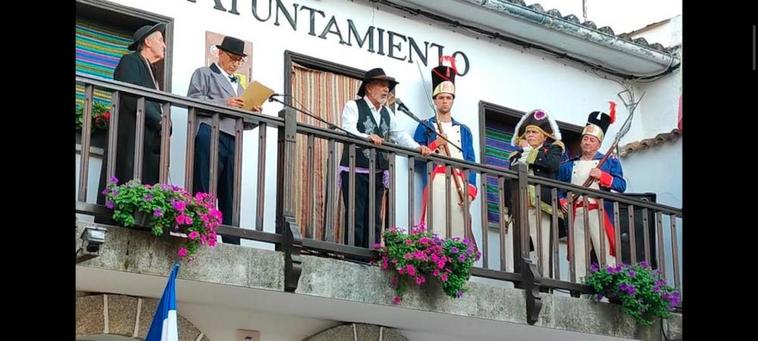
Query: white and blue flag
column 164, row 326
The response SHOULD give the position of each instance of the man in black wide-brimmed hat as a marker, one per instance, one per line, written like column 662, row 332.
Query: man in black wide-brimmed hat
column 137, row 68
column 369, row 118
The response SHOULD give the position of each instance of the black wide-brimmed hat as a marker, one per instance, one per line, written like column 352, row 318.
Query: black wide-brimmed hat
column 373, row 75
column 143, row 32
column 233, row 45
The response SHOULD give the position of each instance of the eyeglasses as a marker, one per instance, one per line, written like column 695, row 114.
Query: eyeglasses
column 235, row 58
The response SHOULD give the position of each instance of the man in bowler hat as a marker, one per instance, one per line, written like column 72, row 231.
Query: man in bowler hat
column 218, row 84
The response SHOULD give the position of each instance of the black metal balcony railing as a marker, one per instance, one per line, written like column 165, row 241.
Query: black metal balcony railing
column 287, row 236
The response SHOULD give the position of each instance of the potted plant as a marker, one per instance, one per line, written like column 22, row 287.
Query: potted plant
column 420, row 256
column 101, row 115
column 641, row 291
column 165, row 208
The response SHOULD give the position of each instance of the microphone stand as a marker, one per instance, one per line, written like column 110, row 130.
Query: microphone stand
column 272, row 98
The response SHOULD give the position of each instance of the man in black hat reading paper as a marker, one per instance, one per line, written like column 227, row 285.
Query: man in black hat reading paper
column 369, row 118
column 137, row 68
column 218, row 84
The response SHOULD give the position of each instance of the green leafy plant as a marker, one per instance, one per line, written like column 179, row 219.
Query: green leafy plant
column 641, row 291
column 165, row 208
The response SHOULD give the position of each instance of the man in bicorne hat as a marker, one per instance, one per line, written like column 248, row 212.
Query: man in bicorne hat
column 606, row 177
column 217, row 83
column 538, row 140
column 443, row 94
column 369, row 118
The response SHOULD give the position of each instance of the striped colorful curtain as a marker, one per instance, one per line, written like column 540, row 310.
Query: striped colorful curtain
column 497, row 148
column 98, row 50
column 323, row 94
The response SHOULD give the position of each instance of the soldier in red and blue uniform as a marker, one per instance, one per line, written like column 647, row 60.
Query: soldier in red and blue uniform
column 606, row 177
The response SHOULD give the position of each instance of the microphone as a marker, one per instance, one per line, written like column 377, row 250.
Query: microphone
column 401, row 106
column 271, row 97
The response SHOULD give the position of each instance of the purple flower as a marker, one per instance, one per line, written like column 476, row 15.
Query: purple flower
column 674, row 299
column 454, row 250
column 632, row 273
column 614, row 269
column 148, row 197
column 157, row 212
column 462, row 258
column 109, row 204
column 179, row 205
column 628, row 289
column 645, row 264
column 594, row 267
column 113, row 180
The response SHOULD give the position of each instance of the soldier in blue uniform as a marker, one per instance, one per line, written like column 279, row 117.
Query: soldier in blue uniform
column 606, row 177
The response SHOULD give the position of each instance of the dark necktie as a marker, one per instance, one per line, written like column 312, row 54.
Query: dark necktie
column 233, row 79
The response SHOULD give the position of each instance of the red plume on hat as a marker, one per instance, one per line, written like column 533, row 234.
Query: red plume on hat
column 612, row 111
column 443, row 76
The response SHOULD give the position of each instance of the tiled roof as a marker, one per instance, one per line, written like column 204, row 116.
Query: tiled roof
column 591, row 25
column 647, row 143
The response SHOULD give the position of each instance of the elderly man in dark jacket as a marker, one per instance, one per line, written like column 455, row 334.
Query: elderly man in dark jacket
column 539, row 147
column 137, row 68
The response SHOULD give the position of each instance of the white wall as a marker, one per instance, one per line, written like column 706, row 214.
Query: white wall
column 665, row 162
column 504, row 75
column 221, row 323
column 658, row 111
